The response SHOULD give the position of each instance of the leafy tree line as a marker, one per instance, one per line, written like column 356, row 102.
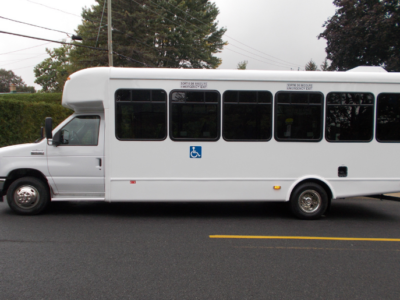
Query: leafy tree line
column 363, row 32
column 8, row 77
column 146, row 33
column 312, row 66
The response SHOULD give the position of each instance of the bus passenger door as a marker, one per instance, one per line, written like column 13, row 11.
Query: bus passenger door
column 76, row 164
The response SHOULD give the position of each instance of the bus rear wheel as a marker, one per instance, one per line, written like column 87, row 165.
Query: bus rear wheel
column 309, row 201
column 28, row 196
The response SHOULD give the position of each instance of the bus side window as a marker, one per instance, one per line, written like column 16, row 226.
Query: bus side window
column 247, row 116
column 194, row 115
column 298, row 116
column 388, row 118
column 140, row 114
column 349, row 117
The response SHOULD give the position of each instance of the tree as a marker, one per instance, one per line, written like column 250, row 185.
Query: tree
column 242, row 65
column 311, row 66
column 153, row 33
column 8, row 77
column 52, row 73
column 325, row 65
column 363, row 32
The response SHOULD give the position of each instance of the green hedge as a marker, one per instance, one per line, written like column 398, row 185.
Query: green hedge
column 53, row 98
column 22, row 117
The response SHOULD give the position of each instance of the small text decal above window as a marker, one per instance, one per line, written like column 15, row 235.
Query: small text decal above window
column 299, row 86
column 193, row 85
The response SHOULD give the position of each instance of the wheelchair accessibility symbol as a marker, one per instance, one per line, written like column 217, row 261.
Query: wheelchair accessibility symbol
column 195, row 151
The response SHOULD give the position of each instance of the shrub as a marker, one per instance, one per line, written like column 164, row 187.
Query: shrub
column 54, row 98
column 20, row 120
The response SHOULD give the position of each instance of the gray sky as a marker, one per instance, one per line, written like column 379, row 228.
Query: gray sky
column 269, row 34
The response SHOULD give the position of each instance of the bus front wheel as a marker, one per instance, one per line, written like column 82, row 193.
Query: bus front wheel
column 28, row 196
column 309, row 201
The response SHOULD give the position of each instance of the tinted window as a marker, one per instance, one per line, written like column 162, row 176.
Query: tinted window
column 247, row 115
column 298, row 116
column 349, row 116
column 388, row 118
column 141, row 114
column 194, row 115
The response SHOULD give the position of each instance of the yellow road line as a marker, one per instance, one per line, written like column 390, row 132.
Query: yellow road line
column 301, row 238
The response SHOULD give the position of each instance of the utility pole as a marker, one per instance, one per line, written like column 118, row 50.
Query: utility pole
column 110, row 51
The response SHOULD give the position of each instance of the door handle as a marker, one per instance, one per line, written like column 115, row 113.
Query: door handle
column 99, row 162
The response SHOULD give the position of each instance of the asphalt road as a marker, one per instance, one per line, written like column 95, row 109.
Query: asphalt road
column 164, row 251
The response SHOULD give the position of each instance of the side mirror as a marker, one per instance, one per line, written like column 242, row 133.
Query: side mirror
column 49, row 127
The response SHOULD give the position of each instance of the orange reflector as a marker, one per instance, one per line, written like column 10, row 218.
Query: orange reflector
column 277, row 187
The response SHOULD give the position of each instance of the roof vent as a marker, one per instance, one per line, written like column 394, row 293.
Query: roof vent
column 369, row 69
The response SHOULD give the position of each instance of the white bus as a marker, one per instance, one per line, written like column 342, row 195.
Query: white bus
column 213, row 135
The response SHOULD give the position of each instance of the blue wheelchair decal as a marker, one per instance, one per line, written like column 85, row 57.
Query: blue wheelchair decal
column 195, row 152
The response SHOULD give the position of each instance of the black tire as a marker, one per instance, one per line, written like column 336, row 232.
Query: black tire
column 28, row 196
column 309, row 201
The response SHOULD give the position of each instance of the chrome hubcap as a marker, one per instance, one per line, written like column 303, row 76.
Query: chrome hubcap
column 26, row 196
column 309, row 201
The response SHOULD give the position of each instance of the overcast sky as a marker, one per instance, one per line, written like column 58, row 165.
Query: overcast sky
column 269, row 34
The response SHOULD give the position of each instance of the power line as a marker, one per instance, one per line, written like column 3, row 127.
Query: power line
column 101, row 20
column 78, row 45
column 24, row 49
column 23, row 67
column 30, row 53
column 268, row 63
column 67, row 33
column 264, row 53
column 23, row 59
column 54, row 8
column 60, row 10
column 64, row 43
column 133, row 38
column 281, row 64
column 131, row 59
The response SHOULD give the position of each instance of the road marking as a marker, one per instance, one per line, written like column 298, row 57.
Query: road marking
column 301, row 238
column 316, row 248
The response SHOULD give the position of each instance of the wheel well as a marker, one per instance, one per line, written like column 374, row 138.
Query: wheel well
column 321, row 183
column 19, row 173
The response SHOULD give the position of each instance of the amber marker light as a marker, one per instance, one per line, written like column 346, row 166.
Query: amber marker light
column 69, row 78
column 277, row 187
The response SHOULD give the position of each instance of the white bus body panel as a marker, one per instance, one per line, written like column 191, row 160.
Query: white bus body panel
column 163, row 170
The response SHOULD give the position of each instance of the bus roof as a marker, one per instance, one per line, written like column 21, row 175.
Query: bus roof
column 254, row 75
column 87, row 89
